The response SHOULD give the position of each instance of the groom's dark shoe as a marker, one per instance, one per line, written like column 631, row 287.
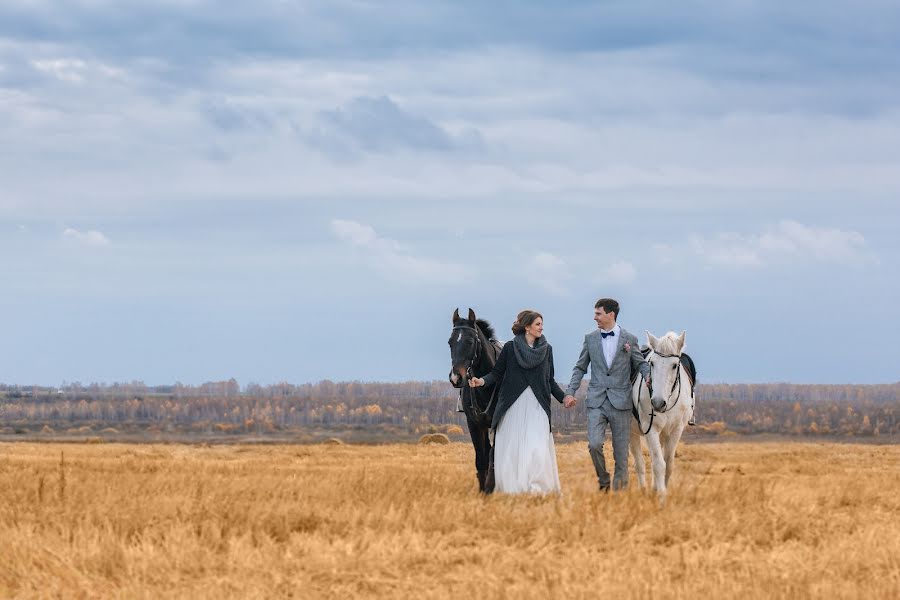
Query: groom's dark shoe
column 604, row 488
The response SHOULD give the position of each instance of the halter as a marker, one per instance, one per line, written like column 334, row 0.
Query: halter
column 477, row 348
column 672, row 391
column 474, row 403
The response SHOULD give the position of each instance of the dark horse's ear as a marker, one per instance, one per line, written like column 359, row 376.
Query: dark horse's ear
column 471, row 315
column 456, row 315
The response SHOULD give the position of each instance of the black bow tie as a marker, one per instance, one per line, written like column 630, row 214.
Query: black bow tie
column 604, row 335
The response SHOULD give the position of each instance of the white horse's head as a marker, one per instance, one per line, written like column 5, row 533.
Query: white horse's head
column 665, row 368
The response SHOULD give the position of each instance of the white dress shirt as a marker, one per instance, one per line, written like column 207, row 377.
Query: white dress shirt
column 609, row 344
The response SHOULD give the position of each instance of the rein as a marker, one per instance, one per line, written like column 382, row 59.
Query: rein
column 672, row 391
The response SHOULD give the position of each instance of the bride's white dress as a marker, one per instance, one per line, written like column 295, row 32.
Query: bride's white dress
column 524, row 454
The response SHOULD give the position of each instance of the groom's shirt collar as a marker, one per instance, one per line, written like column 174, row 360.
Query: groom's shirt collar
column 610, row 343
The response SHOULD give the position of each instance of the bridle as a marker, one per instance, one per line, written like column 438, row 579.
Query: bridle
column 477, row 349
column 676, row 384
column 464, row 382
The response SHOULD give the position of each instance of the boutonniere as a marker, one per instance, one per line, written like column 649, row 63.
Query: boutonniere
column 626, row 347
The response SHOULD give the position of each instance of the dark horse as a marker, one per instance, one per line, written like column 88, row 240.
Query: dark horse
column 473, row 352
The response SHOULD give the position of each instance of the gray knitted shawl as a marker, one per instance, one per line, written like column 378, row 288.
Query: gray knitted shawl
column 528, row 357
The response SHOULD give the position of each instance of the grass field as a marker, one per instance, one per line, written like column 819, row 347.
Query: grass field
column 749, row 520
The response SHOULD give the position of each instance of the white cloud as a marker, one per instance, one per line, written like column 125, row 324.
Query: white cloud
column 727, row 249
column 788, row 240
column 353, row 232
column 75, row 70
column 833, row 245
column 64, row 69
column 549, row 272
column 91, row 237
column 395, row 260
column 620, row 271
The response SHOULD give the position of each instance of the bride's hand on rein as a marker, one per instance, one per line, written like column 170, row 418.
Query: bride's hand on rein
column 476, row 382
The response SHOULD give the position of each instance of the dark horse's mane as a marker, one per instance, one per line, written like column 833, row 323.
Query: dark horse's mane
column 486, row 328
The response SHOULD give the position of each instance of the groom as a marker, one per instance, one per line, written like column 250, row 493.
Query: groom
column 612, row 353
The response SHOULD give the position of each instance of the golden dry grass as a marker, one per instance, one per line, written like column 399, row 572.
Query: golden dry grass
column 774, row 520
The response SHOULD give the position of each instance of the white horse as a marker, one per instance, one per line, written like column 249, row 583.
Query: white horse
column 663, row 409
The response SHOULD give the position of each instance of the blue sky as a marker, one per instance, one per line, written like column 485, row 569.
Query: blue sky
column 295, row 191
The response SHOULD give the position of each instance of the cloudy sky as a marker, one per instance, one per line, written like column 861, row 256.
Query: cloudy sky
column 291, row 191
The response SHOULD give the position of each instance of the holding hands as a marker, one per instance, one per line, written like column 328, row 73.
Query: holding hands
column 569, row 401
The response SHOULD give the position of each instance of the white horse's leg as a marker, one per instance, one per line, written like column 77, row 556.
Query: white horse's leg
column 657, row 462
column 669, row 444
column 639, row 467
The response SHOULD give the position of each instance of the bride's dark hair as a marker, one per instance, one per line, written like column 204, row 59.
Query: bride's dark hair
column 524, row 319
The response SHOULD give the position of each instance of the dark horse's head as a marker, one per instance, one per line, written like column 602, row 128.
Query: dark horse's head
column 466, row 345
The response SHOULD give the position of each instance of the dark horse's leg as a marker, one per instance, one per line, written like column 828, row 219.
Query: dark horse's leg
column 481, row 443
column 489, row 478
column 486, row 465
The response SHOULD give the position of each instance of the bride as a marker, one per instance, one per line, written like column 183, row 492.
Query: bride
column 524, row 454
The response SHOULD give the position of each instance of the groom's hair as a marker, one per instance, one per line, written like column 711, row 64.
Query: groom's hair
column 608, row 305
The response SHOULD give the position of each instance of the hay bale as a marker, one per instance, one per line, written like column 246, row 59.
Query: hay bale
column 454, row 430
column 333, row 442
column 47, row 429
column 109, row 430
column 434, row 438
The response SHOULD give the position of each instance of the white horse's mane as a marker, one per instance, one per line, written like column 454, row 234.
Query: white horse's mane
column 668, row 344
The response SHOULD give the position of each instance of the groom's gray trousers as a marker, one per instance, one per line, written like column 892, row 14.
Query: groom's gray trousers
column 619, row 423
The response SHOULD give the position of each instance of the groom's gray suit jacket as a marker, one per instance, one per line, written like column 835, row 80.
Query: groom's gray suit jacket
column 608, row 381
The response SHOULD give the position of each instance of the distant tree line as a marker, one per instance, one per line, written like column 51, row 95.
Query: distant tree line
column 857, row 410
